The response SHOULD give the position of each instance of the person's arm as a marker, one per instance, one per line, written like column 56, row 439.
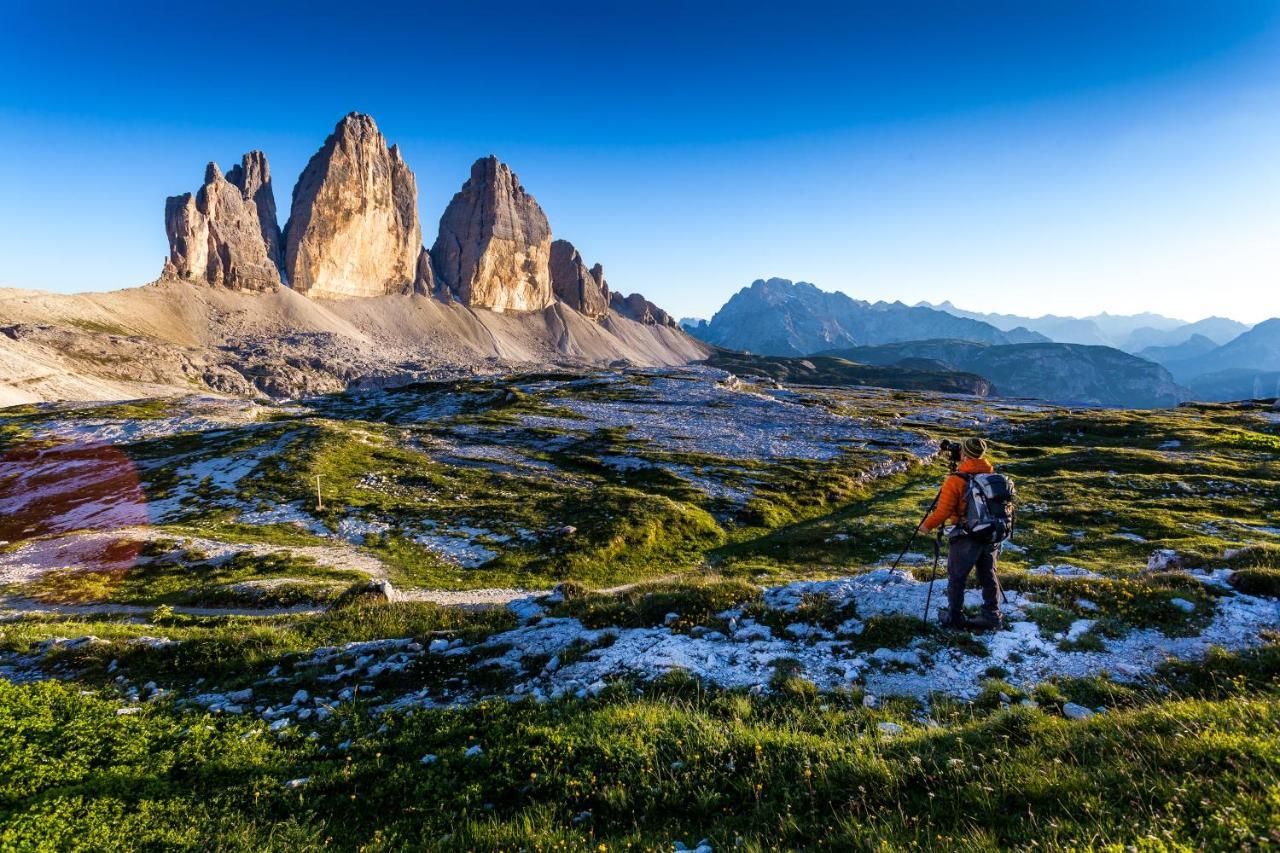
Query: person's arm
column 948, row 503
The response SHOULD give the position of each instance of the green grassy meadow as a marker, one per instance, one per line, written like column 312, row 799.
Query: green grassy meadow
column 529, row 482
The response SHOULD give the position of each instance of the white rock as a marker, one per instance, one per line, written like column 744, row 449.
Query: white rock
column 125, row 712
column 473, row 751
column 1183, row 605
column 1072, row 711
column 279, row 724
column 429, row 758
column 889, row 728
column 870, row 701
column 300, row 697
column 294, row 784
column 438, row 646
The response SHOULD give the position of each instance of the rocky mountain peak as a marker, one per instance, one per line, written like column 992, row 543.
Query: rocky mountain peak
column 253, row 176
column 494, row 246
column 226, row 234
column 353, row 226
column 640, row 309
column 580, row 288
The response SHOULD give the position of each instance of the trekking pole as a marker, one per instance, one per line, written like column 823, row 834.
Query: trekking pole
column 937, row 556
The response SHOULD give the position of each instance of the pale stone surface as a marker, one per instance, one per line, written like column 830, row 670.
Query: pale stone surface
column 226, row 234
column 494, row 246
column 353, row 227
column 580, row 288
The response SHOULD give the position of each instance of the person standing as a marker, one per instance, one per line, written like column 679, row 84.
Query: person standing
column 967, row 551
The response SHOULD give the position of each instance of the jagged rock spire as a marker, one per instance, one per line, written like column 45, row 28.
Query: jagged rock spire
column 494, row 246
column 226, row 234
column 578, row 287
column 353, row 226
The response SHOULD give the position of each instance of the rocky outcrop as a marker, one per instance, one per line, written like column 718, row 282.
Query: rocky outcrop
column 580, row 288
column 425, row 283
column 494, row 246
column 253, row 176
column 353, row 227
column 226, row 234
column 641, row 310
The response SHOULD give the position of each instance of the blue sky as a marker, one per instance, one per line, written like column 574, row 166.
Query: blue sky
column 1020, row 156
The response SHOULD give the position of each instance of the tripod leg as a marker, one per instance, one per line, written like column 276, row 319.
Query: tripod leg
column 915, row 530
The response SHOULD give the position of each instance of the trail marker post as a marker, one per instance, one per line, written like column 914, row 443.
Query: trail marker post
column 319, row 500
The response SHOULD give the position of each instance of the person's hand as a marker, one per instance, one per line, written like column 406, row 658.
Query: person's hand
column 922, row 528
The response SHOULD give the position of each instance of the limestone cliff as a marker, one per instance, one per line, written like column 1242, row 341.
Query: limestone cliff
column 573, row 284
column 353, row 226
column 494, row 246
column 226, row 233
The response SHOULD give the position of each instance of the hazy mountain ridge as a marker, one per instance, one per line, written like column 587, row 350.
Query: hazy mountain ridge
column 1128, row 332
column 780, row 317
column 1069, row 373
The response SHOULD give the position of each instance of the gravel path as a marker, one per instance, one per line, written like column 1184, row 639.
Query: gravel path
column 100, row 551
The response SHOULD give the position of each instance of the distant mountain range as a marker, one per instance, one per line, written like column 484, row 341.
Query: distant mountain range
column 780, row 317
column 1143, row 359
column 1129, row 332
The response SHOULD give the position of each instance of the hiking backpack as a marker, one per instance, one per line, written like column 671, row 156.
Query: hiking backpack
column 988, row 511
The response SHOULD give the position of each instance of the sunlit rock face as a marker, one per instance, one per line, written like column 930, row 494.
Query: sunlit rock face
column 580, row 288
column 226, row 233
column 494, row 246
column 353, row 227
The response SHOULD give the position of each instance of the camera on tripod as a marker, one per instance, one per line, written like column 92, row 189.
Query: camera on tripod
column 952, row 451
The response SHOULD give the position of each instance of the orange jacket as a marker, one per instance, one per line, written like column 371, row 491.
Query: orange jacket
column 950, row 508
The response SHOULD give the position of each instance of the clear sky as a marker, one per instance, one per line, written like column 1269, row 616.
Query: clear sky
column 1023, row 156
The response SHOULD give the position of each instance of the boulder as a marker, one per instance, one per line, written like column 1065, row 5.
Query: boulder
column 1165, row 560
column 1072, row 711
column 226, row 233
column 580, row 288
column 353, row 226
column 494, row 246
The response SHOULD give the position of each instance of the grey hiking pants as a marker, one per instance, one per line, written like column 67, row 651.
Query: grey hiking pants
column 967, row 552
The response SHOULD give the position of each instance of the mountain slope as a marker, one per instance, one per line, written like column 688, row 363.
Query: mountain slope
column 1068, row 373
column 1193, row 347
column 833, row 371
column 778, row 317
column 1218, row 330
column 1257, row 349
column 175, row 337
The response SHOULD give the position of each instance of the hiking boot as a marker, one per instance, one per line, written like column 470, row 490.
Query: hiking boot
column 955, row 623
column 989, row 619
